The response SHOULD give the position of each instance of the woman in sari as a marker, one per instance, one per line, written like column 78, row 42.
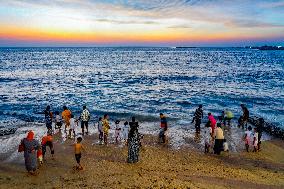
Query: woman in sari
column 30, row 147
column 133, row 142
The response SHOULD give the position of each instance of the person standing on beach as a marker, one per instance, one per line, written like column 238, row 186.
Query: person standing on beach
column 47, row 141
column 117, row 131
column 198, row 115
column 247, row 138
column 133, row 142
column 255, row 140
column 125, row 131
column 58, row 122
column 106, row 128
column 163, row 128
column 245, row 116
column 85, row 117
column 48, row 118
column 78, row 153
column 228, row 117
column 212, row 121
column 66, row 116
column 219, row 139
column 30, row 147
column 100, row 130
column 260, row 129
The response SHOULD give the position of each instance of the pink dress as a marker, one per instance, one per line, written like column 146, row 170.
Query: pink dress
column 213, row 122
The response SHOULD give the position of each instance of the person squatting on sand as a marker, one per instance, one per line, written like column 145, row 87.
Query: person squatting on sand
column 163, row 128
column 78, row 152
column 219, row 139
column 106, row 128
column 198, row 115
column 48, row 118
column 66, row 116
column 47, row 141
column 85, row 117
column 133, row 142
column 30, row 146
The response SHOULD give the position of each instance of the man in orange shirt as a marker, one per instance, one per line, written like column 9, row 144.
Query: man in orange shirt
column 66, row 116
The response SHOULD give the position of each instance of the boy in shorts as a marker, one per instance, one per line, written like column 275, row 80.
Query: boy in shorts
column 78, row 150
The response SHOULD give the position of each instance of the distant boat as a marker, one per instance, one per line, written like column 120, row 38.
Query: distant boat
column 185, row 47
column 265, row 47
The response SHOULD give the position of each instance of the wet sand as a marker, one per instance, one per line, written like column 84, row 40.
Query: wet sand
column 159, row 167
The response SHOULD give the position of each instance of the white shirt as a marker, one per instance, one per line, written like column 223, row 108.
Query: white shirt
column 72, row 123
column 58, row 118
column 248, row 135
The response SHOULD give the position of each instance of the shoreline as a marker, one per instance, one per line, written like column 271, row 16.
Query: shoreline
column 159, row 166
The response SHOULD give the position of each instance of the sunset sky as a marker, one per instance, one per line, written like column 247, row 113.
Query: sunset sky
column 141, row 22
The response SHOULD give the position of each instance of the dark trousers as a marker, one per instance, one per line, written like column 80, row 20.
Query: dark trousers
column 197, row 125
column 50, row 145
column 83, row 125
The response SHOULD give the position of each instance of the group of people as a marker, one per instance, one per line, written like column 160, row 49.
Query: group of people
column 214, row 134
column 34, row 152
column 128, row 134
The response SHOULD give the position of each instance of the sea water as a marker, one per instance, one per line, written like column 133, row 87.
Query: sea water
column 141, row 82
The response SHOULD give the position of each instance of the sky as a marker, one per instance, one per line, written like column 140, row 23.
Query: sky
column 141, row 22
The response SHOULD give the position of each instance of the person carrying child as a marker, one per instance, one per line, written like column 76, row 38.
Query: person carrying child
column 47, row 141
column 78, row 153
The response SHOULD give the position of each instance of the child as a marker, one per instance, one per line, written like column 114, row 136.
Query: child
column 78, row 150
column 72, row 126
column 207, row 138
column 255, row 140
column 117, row 131
column 247, row 138
column 106, row 128
column 39, row 157
column 100, row 130
column 58, row 122
column 125, row 131
column 225, row 146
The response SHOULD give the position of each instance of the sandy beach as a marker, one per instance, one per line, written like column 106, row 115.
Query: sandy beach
column 159, row 167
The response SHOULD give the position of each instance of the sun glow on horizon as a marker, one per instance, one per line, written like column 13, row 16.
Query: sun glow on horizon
column 137, row 22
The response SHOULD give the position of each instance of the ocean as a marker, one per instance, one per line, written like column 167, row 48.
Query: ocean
column 141, row 82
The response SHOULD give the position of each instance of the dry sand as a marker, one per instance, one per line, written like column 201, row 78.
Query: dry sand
column 159, row 167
